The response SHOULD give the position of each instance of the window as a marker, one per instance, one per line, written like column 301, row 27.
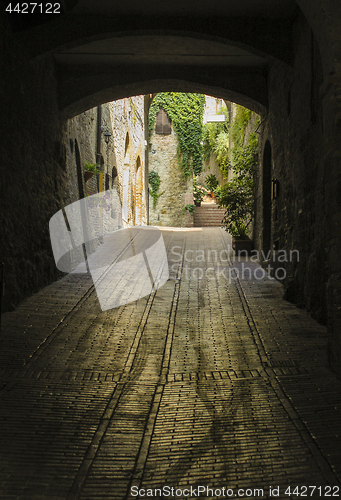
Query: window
column 163, row 123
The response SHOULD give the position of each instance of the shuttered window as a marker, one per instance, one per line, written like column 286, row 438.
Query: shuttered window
column 163, row 123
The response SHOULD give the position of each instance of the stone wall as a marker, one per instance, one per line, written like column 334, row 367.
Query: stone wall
column 41, row 151
column 163, row 160
column 99, row 136
column 128, row 126
column 292, row 135
column 33, row 169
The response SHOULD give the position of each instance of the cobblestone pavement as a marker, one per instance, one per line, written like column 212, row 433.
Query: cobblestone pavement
column 210, row 381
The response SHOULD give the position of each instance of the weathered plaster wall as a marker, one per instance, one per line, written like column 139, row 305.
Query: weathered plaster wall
column 163, row 160
column 127, row 120
column 81, row 146
column 118, row 118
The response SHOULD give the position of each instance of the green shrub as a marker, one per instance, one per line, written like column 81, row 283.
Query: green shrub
column 237, row 195
column 211, row 182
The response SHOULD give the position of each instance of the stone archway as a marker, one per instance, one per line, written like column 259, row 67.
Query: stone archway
column 257, row 60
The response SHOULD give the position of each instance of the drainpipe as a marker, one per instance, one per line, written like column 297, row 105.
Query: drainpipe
column 98, row 147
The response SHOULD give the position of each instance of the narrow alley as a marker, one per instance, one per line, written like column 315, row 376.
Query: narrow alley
column 212, row 381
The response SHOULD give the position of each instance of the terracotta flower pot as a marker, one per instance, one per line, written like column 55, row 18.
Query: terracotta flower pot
column 88, row 175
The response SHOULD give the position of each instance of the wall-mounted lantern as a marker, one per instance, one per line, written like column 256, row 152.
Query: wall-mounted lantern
column 274, row 188
column 107, row 136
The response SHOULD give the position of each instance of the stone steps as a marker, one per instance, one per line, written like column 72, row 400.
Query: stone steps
column 208, row 215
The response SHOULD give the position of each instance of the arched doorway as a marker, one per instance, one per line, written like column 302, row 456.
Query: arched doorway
column 266, row 178
column 126, row 175
column 113, row 176
column 79, row 171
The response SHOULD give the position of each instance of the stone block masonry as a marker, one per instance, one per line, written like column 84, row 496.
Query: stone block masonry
column 34, row 178
column 291, row 155
column 163, row 160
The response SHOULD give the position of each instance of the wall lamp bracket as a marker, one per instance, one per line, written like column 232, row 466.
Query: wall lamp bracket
column 274, row 189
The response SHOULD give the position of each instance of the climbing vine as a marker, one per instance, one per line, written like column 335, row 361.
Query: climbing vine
column 237, row 195
column 216, row 143
column 237, row 132
column 154, row 181
column 185, row 112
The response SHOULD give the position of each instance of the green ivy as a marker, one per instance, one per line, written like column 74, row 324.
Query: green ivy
column 216, row 143
column 237, row 131
column 237, row 195
column 186, row 113
column 154, row 181
column 241, row 119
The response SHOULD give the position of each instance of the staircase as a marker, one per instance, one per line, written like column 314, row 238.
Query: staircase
column 208, row 215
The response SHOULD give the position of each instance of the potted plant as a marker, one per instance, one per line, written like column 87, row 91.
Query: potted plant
column 90, row 170
column 198, row 193
column 211, row 183
column 237, row 197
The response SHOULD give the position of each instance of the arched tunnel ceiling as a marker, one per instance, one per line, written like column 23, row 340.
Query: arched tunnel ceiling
column 234, row 8
column 103, row 48
column 154, row 49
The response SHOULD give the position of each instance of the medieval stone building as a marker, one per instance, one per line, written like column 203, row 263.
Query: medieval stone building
column 111, row 136
column 163, row 159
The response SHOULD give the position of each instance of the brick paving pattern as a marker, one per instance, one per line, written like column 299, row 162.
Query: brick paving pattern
column 209, row 381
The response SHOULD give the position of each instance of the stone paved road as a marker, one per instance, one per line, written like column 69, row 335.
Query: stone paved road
column 210, row 381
